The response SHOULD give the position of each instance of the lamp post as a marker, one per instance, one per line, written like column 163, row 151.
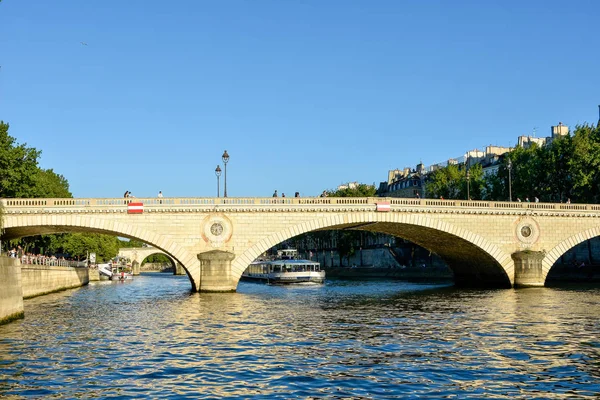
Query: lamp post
column 509, row 165
column 225, row 158
column 468, row 177
column 421, row 172
column 218, row 174
column 468, row 184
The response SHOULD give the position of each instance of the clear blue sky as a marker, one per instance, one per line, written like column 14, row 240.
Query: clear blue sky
column 304, row 95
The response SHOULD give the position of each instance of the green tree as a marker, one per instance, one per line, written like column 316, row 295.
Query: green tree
column 131, row 243
column 79, row 245
column 554, row 175
column 20, row 174
column 525, row 174
column 584, row 166
column 446, row 182
column 18, row 166
column 360, row 190
column 50, row 184
column 477, row 182
column 158, row 259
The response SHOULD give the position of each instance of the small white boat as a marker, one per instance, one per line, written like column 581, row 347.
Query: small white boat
column 121, row 275
column 114, row 272
column 285, row 269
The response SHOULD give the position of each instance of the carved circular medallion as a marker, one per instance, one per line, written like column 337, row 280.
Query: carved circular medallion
column 216, row 230
column 527, row 231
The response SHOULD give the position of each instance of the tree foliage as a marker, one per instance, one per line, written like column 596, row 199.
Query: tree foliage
column 20, row 174
column 359, row 190
column 75, row 245
column 584, row 166
column 452, row 183
column 567, row 168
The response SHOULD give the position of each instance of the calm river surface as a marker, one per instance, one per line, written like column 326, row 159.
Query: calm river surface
column 151, row 338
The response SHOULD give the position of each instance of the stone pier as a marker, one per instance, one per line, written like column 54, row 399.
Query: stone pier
column 178, row 269
column 215, row 271
column 528, row 268
column 135, row 268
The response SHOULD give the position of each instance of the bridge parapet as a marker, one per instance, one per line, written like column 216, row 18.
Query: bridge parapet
column 204, row 203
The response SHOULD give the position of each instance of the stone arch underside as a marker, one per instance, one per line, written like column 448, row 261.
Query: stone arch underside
column 473, row 259
column 563, row 247
column 30, row 226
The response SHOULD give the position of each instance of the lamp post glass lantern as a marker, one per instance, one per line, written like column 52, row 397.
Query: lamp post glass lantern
column 225, row 158
column 218, row 174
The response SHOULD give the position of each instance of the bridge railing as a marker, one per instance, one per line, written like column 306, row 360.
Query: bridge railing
column 50, row 261
column 300, row 201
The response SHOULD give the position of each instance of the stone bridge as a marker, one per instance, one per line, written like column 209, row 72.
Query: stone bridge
column 499, row 244
column 138, row 254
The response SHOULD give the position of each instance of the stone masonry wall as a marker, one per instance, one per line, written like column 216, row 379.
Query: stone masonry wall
column 11, row 294
column 41, row 279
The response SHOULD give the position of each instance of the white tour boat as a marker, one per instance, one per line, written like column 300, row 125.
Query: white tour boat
column 114, row 272
column 286, row 268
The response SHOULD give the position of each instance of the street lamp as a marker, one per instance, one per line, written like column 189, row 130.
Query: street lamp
column 509, row 165
column 468, row 177
column 218, row 174
column 468, row 184
column 225, row 158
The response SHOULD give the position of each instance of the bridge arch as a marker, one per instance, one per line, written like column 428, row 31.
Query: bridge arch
column 139, row 254
column 473, row 259
column 31, row 225
column 564, row 246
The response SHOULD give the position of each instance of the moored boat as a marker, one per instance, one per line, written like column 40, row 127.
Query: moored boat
column 285, row 269
column 114, row 272
column 121, row 275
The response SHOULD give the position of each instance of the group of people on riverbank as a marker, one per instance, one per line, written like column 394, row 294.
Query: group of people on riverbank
column 15, row 252
column 40, row 259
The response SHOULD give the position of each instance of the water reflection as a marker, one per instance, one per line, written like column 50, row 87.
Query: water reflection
column 152, row 338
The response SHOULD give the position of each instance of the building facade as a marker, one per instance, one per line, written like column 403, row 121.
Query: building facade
column 410, row 183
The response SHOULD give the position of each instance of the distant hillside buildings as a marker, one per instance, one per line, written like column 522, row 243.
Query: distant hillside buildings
column 409, row 182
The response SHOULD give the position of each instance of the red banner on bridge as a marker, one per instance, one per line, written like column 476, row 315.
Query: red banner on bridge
column 135, row 208
column 383, row 206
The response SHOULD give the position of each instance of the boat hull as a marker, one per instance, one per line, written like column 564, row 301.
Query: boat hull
column 285, row 270
column 121, row 277
column 286, row 278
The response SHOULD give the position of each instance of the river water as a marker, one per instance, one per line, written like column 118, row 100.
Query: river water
column 151, row 338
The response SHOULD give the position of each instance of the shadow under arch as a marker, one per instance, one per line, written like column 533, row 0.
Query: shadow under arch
column 24, row 226
column 473, row 260
column 563, row 247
